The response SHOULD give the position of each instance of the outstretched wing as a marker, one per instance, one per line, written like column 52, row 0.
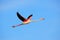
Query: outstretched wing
column 29, row 16
column 20, row 17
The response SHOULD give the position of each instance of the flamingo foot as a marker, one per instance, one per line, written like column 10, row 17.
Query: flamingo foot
column 42, row 18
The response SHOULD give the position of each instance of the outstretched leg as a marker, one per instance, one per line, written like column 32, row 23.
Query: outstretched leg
column 41, row 19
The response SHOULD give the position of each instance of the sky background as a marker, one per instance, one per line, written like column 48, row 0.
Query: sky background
column 49, row 29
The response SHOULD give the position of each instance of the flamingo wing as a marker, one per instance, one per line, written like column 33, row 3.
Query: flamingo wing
column 20, row 17
column 29, row 16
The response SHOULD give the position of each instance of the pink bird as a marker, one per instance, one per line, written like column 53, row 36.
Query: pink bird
column 24, row 20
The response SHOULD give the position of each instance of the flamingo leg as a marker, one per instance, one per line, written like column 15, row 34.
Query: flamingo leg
column 41, row 19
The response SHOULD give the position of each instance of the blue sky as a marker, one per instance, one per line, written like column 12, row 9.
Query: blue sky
column 49, row 29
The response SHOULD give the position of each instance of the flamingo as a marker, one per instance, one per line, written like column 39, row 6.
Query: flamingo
column 24, row 20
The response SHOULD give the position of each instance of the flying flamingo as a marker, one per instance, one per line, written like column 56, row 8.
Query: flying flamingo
column 25, row 21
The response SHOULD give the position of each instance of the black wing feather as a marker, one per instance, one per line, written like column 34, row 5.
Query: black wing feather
column 20, row 17
column 29, row 16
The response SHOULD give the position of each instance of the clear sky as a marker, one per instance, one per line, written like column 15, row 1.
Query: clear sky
column 49, row 29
